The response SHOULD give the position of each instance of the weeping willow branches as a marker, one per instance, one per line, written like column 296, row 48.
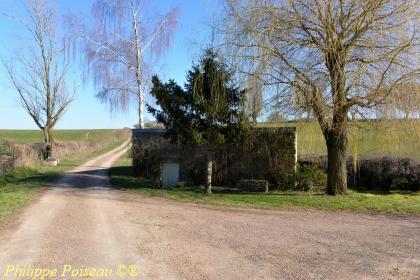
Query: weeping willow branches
column 119, row 48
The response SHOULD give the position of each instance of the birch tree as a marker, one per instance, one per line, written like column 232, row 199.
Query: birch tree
column 336, row 55
column 38, row 71
column 117, row 47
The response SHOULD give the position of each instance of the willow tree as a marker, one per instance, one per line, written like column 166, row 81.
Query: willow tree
column 119, row 45
column 404, row 102
column 336, row 55
column 38, row 70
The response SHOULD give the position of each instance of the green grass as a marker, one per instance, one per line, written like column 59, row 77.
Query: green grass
column 407, row 203
column 28, row 136
column 20, row 185
column 387, row 137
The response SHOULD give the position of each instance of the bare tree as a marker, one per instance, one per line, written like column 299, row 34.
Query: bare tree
column 38, row 71
column 117, row 47
column 337, row 55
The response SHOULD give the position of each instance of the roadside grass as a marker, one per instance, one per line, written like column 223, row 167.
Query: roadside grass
column 20, row 185
column 404, row 203
column 384, row 137
column 34, row 136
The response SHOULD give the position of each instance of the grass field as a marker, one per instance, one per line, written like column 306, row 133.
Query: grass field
column 27, row 136
column 395, row 138
column 407, row 203
column 20, row 185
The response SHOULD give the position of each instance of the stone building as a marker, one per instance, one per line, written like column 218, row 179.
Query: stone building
column 269, row 154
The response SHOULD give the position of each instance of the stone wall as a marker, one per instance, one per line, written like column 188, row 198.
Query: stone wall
column 269, row 154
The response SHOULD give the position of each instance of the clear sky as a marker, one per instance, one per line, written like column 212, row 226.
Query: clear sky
column 192, row 34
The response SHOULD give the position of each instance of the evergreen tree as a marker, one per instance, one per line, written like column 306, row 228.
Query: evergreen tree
column 209, row 110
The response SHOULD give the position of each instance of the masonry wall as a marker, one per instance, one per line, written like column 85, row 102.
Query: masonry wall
column 269, row 154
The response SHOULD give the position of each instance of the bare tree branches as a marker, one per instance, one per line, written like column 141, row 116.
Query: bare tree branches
column 375, row 43
column 330, row 57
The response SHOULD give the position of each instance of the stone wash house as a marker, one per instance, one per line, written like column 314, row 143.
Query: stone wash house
column 269, row 155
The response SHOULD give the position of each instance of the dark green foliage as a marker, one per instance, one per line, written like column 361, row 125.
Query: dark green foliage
column 309, row 177
column 386, row 174
column 208, row 110
column 379, row 174
column 406, row 183
column 147, row 158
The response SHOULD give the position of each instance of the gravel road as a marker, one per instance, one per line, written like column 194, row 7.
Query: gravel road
column 83, row 223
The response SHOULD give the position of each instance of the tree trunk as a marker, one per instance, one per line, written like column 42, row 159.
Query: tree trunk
column 51, row 143
column 336, row 134
column 50, row 136
column 140, row 111
column 46, row 136
column 48, row 145
column 254, row 119
column 137, row 48
column 209, row 176
column 337, row 163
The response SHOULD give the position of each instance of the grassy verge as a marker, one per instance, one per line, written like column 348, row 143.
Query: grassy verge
column 20, row 185
column 408, row 203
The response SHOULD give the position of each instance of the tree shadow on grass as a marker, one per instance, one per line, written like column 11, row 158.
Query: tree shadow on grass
column 378, row 191
column 28, row 176
column 297, row 193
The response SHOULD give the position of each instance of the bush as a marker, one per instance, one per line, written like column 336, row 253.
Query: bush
column 408, row 183
column 310, row 177
column 385, row 174
column 376, row 173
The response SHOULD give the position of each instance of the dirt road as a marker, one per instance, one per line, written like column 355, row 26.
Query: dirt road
column 83, row 223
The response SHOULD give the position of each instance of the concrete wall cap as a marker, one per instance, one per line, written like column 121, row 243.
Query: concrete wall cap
column 148, row 130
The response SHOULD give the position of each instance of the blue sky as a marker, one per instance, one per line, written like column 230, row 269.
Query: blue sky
column 192, row 34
